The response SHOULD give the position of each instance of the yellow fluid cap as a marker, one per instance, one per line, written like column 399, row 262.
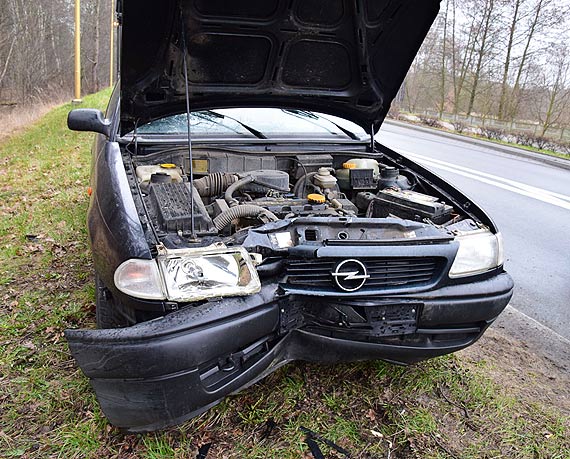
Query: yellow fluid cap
column 349, row 166
column 168, row 166
column 316, row 198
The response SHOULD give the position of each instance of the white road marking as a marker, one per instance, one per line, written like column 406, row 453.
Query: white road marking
column 550, row 197
column 491, row 176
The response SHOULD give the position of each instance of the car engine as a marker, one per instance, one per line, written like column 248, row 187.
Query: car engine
column 233, row 192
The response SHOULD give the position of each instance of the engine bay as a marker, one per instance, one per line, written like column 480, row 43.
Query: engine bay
column 236, row 191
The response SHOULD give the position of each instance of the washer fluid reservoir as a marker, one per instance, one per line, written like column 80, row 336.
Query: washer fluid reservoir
column 144, row 173
column 343, row 175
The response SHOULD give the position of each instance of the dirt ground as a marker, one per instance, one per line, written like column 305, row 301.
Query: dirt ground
column 536, row 368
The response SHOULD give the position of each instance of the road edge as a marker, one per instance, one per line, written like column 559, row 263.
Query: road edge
column 550, row 160
column 539, row 338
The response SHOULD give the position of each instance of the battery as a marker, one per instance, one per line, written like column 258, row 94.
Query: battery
column 406, row 204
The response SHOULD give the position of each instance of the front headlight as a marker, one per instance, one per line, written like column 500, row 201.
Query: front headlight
column 479, row 251
column 192, row 275
column 141, row 279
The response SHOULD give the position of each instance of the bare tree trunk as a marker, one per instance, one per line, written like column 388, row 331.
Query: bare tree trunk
column 482, row 49
column 55, row 52
column 443, row 57
column 515, row 99
column 558, row 96
column 549, row 112
column 504, row 83
column 7, row 60
column 454, row 58
column 466, row 61
column 97, row 46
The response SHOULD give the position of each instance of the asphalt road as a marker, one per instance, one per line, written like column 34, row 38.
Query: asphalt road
column 529, row 201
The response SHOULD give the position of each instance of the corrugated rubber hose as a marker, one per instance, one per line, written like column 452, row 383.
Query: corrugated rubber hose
column 241, row 211
column 214, row 184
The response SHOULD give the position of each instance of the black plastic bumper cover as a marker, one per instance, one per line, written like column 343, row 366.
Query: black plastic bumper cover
column 165, row 371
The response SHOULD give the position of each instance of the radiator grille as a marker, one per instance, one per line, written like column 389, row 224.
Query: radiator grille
column 384, row 272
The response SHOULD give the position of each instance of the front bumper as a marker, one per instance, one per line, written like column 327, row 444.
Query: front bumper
column 162, row 372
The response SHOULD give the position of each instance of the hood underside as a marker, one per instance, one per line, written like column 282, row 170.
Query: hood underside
column 343, row 57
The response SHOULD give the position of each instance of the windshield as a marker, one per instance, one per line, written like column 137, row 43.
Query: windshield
column 255, row 123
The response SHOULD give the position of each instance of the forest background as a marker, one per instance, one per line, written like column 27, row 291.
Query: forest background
column 502, row 66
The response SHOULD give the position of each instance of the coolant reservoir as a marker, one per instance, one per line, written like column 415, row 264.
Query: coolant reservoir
column 144, row 173
column 343, row 175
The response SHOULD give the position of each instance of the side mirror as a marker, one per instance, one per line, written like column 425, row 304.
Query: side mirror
column 88, row 119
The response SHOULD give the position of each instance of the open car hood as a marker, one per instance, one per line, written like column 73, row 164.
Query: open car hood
column 343, row 57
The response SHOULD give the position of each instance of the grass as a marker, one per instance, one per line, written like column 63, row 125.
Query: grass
column 522, row 147
column 445, row 408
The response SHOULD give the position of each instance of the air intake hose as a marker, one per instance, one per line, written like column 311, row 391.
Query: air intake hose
column 236, row 186
column 246, row 210
column 214, row 184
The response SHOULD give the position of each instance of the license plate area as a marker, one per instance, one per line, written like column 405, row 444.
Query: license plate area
column 363, row 318
column 393, row 319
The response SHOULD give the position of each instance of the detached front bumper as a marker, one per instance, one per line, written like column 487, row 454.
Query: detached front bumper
column 162, row 372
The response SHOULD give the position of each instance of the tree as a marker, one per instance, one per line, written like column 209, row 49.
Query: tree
column 543, row 17
column 554, row 88
column 36, row 48
column 506, row 66
column 483, row 46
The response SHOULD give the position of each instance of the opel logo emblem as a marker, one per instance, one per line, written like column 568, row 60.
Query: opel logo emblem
column 350, row 275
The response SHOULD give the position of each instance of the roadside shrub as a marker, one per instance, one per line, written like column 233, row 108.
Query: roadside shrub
column 492, row 133
column 558, row 146
column 431, row 122
column 459, row 127
column 524, row 138
column 563, row 147
column 543, row 143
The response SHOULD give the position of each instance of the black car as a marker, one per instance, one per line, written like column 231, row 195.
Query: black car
column 243, row 215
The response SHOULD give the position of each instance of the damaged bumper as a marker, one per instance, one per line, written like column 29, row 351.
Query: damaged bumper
column 165, row 371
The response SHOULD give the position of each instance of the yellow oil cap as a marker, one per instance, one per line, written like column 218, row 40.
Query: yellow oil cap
column 316, row 198
column 349, row 166
column 168, row 166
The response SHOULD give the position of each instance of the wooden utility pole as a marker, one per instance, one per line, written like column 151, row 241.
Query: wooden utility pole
column 77, row 98
column 112, row 50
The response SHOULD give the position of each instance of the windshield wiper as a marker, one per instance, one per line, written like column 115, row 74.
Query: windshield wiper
column 312, row 116
column 254, row 131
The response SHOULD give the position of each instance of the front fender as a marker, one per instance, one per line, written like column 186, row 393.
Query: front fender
column 114, row 227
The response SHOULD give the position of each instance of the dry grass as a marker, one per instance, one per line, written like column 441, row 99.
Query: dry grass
column 14, row 119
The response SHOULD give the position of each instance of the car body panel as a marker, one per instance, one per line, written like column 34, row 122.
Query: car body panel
column 114, row 226
column 342, row 57
column 159, row 373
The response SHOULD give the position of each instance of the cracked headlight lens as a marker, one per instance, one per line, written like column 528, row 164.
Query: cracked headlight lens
column 479, row 251
column 192, row 276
